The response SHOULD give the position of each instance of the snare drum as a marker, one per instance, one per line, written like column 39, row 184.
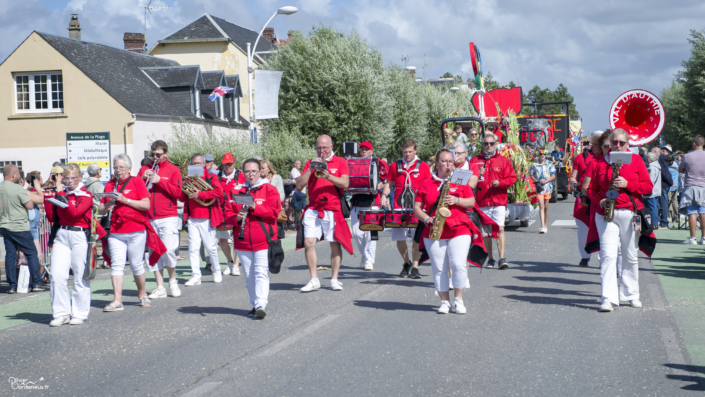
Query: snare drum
column 409, row 220
column 371, row 220
column 393, row 219
column 364, row 175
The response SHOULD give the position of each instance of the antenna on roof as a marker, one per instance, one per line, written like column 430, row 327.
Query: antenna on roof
column 149, row 8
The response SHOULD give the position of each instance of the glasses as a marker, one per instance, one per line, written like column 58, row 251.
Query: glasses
column 620, row 143
column 459, row 153
column 119, row 168
column 488, row 143
column 473, row 134
column 446, row 161
column 157, row 155
column 251, row 172
column 323, row 147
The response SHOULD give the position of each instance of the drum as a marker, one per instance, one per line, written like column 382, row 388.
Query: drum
column 364, row 175
column 372, row 219
column 409, row 219
column 393, row 219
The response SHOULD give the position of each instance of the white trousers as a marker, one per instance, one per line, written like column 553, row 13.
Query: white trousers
column 365, row 244
column 612, row 234
column 168, row 231
column 582, row 238
column 200, row 230
column 453, row 254
column 255, row 265
column 69, row 252
column 127, row 245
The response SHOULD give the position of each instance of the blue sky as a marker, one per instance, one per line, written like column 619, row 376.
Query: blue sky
column 597, row 49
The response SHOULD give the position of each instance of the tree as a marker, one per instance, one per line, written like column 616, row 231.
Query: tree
column 693, row 82
column 541, row 95
column 447, row 75
column 677, row 130
column 489, row 82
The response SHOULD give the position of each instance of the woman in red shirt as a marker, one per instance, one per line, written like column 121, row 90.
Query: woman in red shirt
column 451, row 250
column 633, row 181
column 252, row 248
column 69, row 250
column 128, row 235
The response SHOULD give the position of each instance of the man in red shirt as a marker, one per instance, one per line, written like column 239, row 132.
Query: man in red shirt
column 164, row 188
column 230, row 177
column 406, row 175
column 323, row 216
column 362, row 202
column 497, row 176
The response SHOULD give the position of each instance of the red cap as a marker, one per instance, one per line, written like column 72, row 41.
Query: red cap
column 366, row 144
column 228, row 158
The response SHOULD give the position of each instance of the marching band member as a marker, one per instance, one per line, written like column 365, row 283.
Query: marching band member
column 633, row 181
column 70, row 245
column 323, row 217
column 202, row 221
column 253, row 221
column 461, row 162
column 130, row 230
column 406, row 175
column 230, row 177
column 497, row 177
column 362, row 202
column 451, row 250
column 164, row 187
column 581, row 209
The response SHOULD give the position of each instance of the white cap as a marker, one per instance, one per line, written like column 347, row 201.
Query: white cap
column 598, row 132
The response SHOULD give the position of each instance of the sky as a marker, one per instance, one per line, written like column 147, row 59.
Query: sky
column 598, row 49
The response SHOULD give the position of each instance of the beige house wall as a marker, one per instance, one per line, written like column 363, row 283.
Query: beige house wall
column 87, row 108
column 219, row 55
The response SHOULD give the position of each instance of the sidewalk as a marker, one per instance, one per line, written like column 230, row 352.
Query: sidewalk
column 681, row 270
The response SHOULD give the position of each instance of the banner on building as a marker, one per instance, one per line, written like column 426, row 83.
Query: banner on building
column 267, row 94
column 87, row 148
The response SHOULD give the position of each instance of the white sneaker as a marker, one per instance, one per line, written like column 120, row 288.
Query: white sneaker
column 702, row 240
column 228, row 269
column 59, row 321
column 636, row 303
column 159, row 292
column 336, row 285
column 218, row 277
column 459, row 306
column 235, row 271
column 193, row 281
column 368, row 266
column 313, row 284
column 174, row 288
column 445, row 307
column 76, row 321
column 690, row 241
column 606, row 306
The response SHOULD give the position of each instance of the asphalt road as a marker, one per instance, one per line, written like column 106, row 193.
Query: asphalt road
column 531, row 330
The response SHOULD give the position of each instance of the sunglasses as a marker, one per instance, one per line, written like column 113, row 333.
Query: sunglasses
column 620, row 143
column 157, row 155
column 488, row 143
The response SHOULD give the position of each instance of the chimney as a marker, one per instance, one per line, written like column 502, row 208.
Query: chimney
column 268, row 34
column 74, row 28
column 134, row 42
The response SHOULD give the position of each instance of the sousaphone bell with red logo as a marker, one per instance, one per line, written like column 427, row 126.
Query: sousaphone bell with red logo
column 640, row 113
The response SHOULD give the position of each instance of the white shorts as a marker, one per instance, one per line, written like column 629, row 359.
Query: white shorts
column 315, row 226
column 497, row 214
column 399, row 233
column 224, row 234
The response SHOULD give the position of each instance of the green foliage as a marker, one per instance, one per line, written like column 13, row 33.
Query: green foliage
column 489, row 81
column 677, row 130
column 539, row 95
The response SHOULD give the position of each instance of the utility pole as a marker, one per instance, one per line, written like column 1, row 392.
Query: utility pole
column 149, row 8
column 405, row 59
column 424, row 66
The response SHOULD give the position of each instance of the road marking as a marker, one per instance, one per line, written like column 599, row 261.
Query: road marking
column 570, row 222
column 655, row 296
column 518, row 223
column 299, row 335
column 203, row 389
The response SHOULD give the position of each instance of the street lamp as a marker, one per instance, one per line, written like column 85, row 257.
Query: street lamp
column 451, row 89
column 286, row 10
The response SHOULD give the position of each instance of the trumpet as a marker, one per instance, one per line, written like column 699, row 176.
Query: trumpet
column 194, row 184
column 319, row 166
column 155, row 170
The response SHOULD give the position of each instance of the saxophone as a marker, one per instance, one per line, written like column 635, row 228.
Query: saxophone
column 442, row 212
column 613, row 193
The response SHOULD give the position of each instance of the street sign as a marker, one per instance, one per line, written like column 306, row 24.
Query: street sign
column 85, row 149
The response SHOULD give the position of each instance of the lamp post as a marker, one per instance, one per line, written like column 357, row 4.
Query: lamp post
column 286, row 10
column 451, row 89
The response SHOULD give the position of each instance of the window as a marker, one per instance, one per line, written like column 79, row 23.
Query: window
column 17, row 163
column 39, row 93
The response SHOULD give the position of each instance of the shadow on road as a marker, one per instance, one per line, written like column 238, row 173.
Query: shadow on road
column 557, row 280
column 546, row 291
column 394, row 305
column 551, row 267
column 31, row 317
column 203, row 311
column 549, row 300
column 698, row 382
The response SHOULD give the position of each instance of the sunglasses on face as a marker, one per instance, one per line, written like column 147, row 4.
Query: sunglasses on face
column 488, row 143
column 620, row 143
column 157, row 155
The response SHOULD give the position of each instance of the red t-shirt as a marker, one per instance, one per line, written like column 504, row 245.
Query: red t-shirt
column 126, row 219
column 399, row 179
column 458, row 223
column 581, row 165
column 322, row 192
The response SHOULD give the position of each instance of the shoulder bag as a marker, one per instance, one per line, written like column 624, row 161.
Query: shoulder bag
column 275, row 252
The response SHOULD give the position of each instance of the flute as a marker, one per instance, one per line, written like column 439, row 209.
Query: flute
column 242, row 228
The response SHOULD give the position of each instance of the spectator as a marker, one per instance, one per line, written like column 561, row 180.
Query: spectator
column 462, row 138
column 472, row 145
column 675, row 188
column 557, row 154
column 693, row 196
column 655, row 174
column 14, row 227
column 145, row 161
column 269, row 173
column 543, row 173
column 210, row 163
column 666, row 183
column 93, row 183
column 298, row 198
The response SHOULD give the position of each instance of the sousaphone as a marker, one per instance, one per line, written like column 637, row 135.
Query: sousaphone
column 640, row 113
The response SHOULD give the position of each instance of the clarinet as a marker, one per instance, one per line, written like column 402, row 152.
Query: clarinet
column 242, row 228
column 110, row 212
